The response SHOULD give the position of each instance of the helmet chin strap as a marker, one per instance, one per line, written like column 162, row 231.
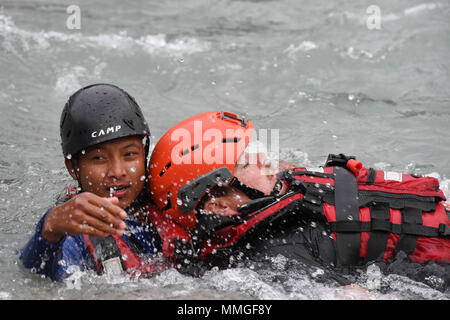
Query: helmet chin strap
column 253, row 193
column 144, row 196
column 209, row 223
column 277, row 188
column 76, row 171
column 250, row 192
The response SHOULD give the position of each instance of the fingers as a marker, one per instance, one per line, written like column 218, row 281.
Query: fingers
column 87, row 213
column 96, row 216
column 101, row 219
column 87, row 229
column 110, row 205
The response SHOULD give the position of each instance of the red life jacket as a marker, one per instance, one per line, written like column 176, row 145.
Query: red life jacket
column 113, row 254
column 372, row 214
column 168, row 230
column 256, row 221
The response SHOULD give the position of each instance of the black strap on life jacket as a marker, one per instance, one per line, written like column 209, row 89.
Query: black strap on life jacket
column 107, row 250
column 378, row 239
column 411, row 217
column 347, row 209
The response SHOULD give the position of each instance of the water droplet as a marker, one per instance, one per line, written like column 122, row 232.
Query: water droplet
column 133, row 169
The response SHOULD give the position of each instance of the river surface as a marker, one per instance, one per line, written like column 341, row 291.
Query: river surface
column 323, row 73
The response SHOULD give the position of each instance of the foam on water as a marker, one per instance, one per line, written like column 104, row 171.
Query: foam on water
column 26, row 40
column 390, row 16
column 279, row 279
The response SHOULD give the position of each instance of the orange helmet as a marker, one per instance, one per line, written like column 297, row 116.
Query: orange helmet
column 195, row 155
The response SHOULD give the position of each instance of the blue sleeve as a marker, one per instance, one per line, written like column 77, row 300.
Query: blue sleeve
column 55, row 260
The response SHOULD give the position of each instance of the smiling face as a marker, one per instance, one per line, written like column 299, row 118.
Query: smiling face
column 112, row 169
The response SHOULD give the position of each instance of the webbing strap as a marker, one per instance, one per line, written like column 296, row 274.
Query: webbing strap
column 106, row 249
column 411, row 229
column 378, row 239
column 407, row 242
column 347, row 209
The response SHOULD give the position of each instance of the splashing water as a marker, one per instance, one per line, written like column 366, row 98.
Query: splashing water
column 380, row 95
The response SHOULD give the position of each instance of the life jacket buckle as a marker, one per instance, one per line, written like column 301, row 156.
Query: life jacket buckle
column 444, row 230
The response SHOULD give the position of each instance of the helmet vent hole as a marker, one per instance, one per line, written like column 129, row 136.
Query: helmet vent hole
column 129, row 123
column 231, row 140
column 194, row 147
column 165, row 168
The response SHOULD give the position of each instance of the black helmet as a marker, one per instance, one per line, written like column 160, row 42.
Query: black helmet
column 99, row 113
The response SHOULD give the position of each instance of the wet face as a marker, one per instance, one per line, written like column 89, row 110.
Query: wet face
column 112, row 169
column 252, row 169
column 225, row 203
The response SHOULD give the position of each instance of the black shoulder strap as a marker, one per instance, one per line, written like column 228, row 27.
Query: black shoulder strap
column 378, row 238
column 407, row 242
column 347, row 209
column 108, row 254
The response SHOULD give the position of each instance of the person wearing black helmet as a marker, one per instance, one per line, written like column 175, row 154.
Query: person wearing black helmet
column 105, row 142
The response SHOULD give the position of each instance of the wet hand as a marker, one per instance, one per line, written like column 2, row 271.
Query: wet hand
column 87, row 213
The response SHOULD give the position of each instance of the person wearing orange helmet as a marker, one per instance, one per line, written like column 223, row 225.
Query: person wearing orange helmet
column 210, row 176
column 210, row 145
